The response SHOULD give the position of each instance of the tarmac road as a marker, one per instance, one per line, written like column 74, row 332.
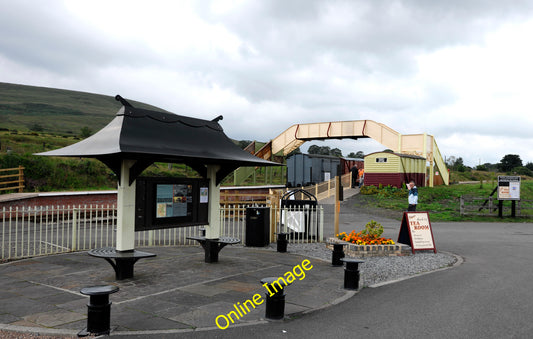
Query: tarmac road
column 489, row 296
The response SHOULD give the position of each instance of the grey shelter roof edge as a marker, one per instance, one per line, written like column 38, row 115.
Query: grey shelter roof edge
column 150, row 136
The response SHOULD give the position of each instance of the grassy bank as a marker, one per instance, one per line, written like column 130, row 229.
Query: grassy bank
column 26, row 108
column 442, row 202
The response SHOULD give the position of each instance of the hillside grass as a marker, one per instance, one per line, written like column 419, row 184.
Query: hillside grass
column 25, row 108
column 442, row 202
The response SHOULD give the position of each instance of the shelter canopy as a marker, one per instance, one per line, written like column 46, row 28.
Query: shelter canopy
column 152, row 136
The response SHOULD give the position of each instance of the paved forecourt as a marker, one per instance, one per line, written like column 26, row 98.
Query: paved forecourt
column 174, row 291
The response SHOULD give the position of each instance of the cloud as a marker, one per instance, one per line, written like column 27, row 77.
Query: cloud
column 448, row 68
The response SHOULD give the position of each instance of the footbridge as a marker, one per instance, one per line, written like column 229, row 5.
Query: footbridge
column 423, row 145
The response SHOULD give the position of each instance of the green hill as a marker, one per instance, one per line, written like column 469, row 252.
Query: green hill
column 59, row 111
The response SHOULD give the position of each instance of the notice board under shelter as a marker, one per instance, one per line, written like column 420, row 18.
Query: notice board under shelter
column 137, row 138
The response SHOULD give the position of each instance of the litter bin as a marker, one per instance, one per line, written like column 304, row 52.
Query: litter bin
column 257, row 226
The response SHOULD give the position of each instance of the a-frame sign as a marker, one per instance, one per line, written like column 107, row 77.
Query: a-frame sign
column 416, row 232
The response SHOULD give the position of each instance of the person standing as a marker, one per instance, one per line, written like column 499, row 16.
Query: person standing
column 354, row 176
column 361, row 177
column 413, row 196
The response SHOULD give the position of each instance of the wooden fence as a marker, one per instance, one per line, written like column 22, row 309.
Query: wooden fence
column 488, row 206
column 8, row 181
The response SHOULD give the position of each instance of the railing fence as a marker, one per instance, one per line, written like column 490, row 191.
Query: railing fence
column 29, row 232
column 326, row 189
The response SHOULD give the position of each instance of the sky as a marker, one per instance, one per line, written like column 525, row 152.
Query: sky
column 459, row 70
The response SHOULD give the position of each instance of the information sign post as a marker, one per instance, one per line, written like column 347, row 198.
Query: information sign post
column 508, row 189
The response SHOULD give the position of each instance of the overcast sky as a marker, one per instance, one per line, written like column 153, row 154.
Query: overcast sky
column 457, row 69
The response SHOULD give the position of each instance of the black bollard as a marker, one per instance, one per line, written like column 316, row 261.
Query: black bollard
column 98, row 310
column 282, row 242
column 211, row 251
column 337, row 254
column 351, row 273
column 275, row 298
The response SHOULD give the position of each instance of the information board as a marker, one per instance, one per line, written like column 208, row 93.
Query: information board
column 508, row 187
column 167, row 202
column 173, row 200
column 416, row 232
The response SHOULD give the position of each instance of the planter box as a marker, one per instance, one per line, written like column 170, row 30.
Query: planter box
column 362, row 251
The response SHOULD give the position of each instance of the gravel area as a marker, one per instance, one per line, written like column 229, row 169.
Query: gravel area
column 380, row 269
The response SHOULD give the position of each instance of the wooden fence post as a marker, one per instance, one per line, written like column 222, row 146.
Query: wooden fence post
column 21, row 179
column 462, row 205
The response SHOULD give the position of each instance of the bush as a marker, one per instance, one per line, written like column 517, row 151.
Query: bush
column 521, row 170
column 384, row 192
column 368, row 190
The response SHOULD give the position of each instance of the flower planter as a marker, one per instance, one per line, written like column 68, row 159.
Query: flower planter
column 362, row 251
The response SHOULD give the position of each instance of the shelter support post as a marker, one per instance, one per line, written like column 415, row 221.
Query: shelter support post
column 126, row 209
column 212, row 230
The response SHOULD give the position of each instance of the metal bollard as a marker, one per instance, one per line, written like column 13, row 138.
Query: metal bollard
column 99, row 310
column 275, row 303
column 351, row 273
column 282, row 242
column 337, row 254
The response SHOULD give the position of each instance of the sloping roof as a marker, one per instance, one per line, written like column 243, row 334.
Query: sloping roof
column 150, row 136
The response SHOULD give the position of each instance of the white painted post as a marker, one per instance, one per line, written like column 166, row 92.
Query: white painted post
column 74, row 241
column 212, row 230
column 126, row 209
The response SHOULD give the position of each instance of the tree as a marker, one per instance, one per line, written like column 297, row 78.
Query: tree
column 529, row 166
column 450, row 161
column 509, row 162
column 520, row 170
column 325, row 150
column 336, row 152
column 313, row 149
column 85, row 132
column 358, row 155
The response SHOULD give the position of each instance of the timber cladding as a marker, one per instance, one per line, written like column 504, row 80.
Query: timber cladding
column 387, row 168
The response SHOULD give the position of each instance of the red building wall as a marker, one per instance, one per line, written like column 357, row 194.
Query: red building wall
column 394, row 179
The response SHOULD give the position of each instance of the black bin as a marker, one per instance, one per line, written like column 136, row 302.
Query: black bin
column 257, row 226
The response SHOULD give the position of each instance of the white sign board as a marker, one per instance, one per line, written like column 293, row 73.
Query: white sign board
column 508, row 187
column 416, row 231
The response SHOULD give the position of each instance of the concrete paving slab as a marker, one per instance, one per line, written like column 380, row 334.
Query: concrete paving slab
column 204, row 316
column 7, row 318
column 174, row 291
column 21, row 306
column 60, row 298
column 204, row 290
column 54, row 318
